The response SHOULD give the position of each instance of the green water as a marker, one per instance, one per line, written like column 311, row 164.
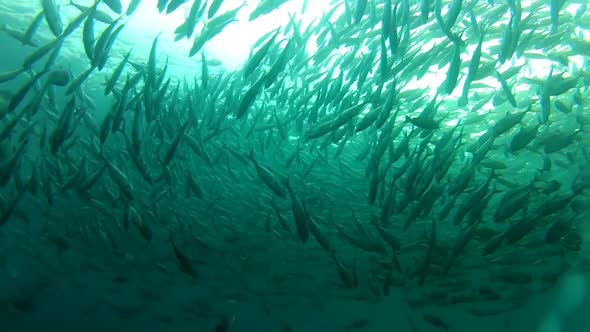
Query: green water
column 306, row 166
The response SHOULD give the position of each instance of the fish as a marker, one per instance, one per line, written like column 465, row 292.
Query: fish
column 174, row 4
column 257, row 56
column 53, row 17
column 101, row 53
column 162, row 4
column 345, row 275
column 66, row 123
column 10, row 75
column 268, row 177
column 132, row 7
column 454, row 67
column 110, row 84
column 435, row 321
column 20, row 94
column 10, row 209
column 423, row 122
column 357, row 323
column 114, row 5
column 265, row 7
column 213, row 8
column 557, row 141
column 76, row 83
column 88, row 38
column 506, row 90
column 19, row 36
column 120, row 178
column 316, row 232
column 426, row 266
column 285, row 327
column 98, row 15
column 101, row 44
column 559, row 229
column 554, row 85
column 512, row 202
column 214, row 27
column 58, row 77
column 27, row 37
column 193, row 186
column 8, row 167
column 508, row 122
column 299, row 214
column 523, row 137
column 187, row 28
column 170, row 152
column 248, row 98
column 224, row 324
column 40, row 52
column 555, row 7
column 182, row 261
column 472, row 73
column 329, row 125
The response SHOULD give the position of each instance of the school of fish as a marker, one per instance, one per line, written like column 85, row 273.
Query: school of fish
column 414, row 147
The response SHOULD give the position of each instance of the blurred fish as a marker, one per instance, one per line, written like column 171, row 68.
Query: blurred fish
column 133, row 4
column 53, row 17
column 183, row 263
column 224, row 324
column 264, row 7
column 98, row 15
column 269, row 179
column 435, row 321
column 10, row 75
column 299, row 214
column 114, row 5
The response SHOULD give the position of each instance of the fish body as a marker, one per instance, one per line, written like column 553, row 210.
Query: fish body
column 10, row 75
column 506, row 89
column 32, row 29
column 182, row 260
column 110, row 84
column 133, row 5
column 264, row 7
column 508, row 122
column 436, row 321
column 523, row 137
column 99, row 15
column 174, row 144
column 53, row 17
column 114, row 5
column 269, row 179
column 257, row 56
column 453, row 73
column 299, row 214
column 472, row 73
column 174, row 4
